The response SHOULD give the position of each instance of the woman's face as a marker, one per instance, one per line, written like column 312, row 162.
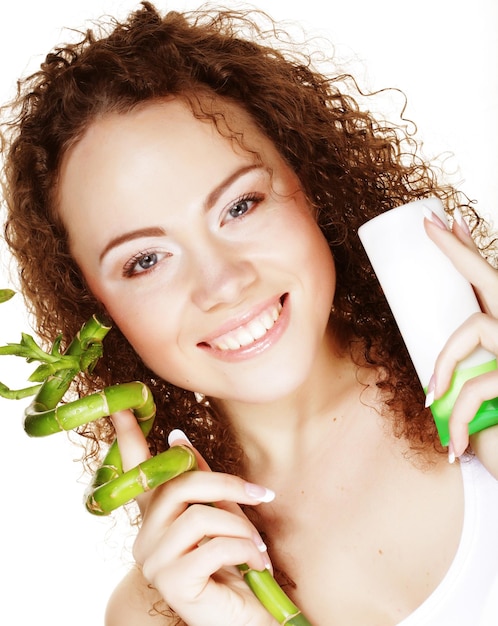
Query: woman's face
column 206, row 257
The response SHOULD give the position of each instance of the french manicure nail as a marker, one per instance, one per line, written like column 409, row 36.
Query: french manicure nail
column 260, row 493
column 459, row 219
column 176, row 435
column 431, row 389
column 260, row 544
column 432, row 217
column 267, row 562
column 451, row 453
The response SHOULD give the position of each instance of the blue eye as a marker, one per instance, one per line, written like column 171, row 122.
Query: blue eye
column 239, row 209
column 142, row 262
column 147, row 261
column 244, row 205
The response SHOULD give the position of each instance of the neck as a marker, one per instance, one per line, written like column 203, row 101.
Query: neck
column 278, row 433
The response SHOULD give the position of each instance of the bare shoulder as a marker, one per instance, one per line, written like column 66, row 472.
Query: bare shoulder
column 135, row 603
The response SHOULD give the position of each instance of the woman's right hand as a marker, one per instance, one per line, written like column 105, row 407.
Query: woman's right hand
column 187, row 548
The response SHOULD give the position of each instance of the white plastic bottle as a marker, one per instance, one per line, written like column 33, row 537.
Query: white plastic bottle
column 429, row 299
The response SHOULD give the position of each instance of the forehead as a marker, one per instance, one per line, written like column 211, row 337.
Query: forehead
column 184, row 119
column 179, row 127
column 125, row 162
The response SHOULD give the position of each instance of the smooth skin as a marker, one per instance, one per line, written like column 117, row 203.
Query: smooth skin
column 185, row 237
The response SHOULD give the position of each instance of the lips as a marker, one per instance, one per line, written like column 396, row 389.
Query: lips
column 246, row 335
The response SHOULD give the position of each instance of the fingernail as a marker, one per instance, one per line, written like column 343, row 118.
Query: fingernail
column 260, row 544
column 177, row 435
column 432, row 217
column 262, row 494
column 431, row 389
column 459, row 219
column 267, row 563
column 451, row 453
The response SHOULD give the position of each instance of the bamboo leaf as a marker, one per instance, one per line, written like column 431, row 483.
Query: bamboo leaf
column 89, row 358
column 43, row 371
column 56, row 346
column 18, row 394
column 6, row 294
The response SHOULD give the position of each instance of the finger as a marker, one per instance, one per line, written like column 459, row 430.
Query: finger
column 461, row 230
column 485, row 444
column 170, row 500
column 216, row 487
column 469, row 262
column 178, row 438
column 132, row 446
column 478, row 330
column 131, row 440
column 221, row 552
column 473, row 393
column 198, row 524
column 190, row 578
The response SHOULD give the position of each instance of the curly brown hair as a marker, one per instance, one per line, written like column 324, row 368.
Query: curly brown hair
column 351, row 166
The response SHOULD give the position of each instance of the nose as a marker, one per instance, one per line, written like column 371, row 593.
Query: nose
column 222, row 275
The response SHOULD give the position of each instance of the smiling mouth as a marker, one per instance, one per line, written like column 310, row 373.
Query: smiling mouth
column 247, row 334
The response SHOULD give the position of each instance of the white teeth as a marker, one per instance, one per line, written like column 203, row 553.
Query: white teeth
column 250, row 332
column 244, row 336
column 257, row 329
column 232, row 343
column 267, row 320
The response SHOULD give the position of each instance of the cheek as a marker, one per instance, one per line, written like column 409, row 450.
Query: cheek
column 129, row 314
column 326, row 261
column 322, row 276
column 153, row 344
column 137, row 324
column 317, row 256
column 157, row 337
column 325, row 278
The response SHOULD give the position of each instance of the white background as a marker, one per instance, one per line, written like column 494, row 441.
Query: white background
column 60, row 563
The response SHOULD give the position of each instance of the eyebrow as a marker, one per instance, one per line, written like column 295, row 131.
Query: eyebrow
column 156, row 231
column 229, row 180
column 153, row 231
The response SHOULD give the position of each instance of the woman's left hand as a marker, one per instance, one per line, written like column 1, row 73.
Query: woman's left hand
column 480, row 329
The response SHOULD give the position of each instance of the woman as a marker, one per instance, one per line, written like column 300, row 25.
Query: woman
column 205, row 191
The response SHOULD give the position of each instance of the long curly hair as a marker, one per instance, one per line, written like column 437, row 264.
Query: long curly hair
column 351, row 167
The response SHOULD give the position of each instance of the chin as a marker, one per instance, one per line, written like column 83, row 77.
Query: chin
column 273, row 387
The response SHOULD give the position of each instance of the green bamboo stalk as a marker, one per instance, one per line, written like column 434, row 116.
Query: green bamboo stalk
column 84, row 351
column 111, row 487
column 273, row 598
column 136, row 395
column 124, row 487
